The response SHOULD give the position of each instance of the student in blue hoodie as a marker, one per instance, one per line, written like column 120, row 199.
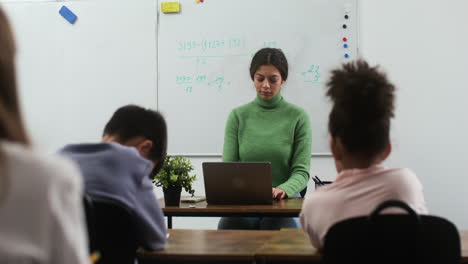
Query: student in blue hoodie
column 118, row 169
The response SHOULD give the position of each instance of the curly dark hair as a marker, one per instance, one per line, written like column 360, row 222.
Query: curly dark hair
column 363, row 104
column 269, row 56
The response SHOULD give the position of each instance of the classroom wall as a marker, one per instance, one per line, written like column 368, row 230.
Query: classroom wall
column 72, row 77
column 422, row 46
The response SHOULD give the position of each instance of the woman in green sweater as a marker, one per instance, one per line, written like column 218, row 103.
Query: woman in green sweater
column 270, row 129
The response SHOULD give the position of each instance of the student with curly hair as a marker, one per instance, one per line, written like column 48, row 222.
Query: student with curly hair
column 359, row 126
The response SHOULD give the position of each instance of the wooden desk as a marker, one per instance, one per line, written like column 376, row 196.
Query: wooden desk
column 284, row 208
column 293, row 246
column 288, row 246
column 209, row 246
column 244, row 246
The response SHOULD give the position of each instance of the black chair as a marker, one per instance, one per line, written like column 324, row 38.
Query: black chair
column 111, row 231
column 392, row 238
column 88, row 207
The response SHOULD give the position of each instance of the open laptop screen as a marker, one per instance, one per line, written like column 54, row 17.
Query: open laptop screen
column 238, row 182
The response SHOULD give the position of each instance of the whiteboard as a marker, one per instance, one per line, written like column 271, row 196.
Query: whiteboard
column 73, row 77
column 204, row 54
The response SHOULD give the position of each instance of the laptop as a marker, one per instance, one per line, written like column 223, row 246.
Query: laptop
column 237, row 182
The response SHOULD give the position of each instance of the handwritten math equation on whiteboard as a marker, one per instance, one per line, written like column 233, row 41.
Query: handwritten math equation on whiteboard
column 202, row 59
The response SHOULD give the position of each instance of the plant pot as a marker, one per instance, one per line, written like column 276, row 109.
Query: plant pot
column 172, row 196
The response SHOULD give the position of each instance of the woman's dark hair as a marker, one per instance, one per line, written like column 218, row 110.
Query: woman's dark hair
column 269, row 56
column 11, row 124
column 132, row 121
column 363, row 104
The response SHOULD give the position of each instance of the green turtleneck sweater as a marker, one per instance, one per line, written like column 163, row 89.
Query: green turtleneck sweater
column 275, row 131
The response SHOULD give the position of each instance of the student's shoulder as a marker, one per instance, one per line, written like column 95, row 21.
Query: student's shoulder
column 322, row 197
column 128, row 158
column 28, row 164
column 397, row 174
column 102, row 149
column 401, row 178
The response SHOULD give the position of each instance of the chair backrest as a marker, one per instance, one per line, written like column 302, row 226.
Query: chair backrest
column 90, row 223
column 393, row 238
column 111, row 231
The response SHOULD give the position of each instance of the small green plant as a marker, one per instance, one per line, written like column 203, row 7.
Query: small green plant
column 175, row 173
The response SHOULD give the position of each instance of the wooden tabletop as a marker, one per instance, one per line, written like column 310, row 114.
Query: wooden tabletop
column 292, row 245
column 286, row 246
column 224, row 246
column 210, row 245
column 287, row 208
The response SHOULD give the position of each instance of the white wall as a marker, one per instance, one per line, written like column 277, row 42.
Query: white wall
column 422, row 46
column 73, row 77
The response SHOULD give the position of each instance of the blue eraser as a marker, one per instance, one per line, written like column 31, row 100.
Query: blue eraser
column 68, row 14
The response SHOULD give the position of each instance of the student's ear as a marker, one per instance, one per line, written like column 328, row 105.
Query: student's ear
column 144, row 147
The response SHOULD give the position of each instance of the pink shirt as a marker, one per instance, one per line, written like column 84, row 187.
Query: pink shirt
column 357, row 192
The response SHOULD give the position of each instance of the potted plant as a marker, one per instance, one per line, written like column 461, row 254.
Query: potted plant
column 173, row 176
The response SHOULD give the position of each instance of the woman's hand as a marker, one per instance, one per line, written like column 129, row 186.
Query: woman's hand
column 279, row 194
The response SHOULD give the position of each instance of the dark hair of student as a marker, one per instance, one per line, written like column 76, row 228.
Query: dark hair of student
column 269, row 56
column 11, row 124
column 132, row 121
column 363, row 104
